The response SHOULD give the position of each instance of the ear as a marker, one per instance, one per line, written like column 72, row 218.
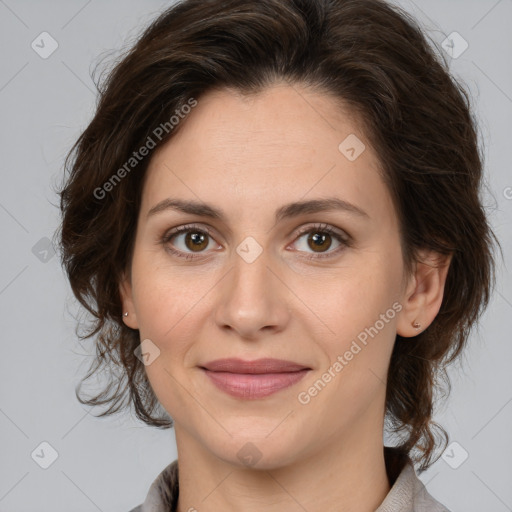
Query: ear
column 125, row 291
column 424, row 292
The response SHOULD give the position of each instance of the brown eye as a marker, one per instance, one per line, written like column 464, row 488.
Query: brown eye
column 186, row 240
column 196, row 241
column 319, row 241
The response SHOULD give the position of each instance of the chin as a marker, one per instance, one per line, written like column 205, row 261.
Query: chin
column 254, row 450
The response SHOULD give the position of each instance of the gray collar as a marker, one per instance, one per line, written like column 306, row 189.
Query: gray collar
column 407, row 494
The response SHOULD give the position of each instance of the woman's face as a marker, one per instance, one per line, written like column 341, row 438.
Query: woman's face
column 264, row 280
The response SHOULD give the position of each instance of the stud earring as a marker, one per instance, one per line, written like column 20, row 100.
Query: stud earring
column 416, row 325
column 125, row 314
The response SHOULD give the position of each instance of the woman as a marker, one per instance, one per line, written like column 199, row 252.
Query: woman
column 274, row 218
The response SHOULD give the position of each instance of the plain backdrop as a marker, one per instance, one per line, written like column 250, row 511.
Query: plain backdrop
column 108, row 464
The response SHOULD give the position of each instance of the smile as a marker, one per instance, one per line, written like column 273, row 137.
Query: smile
column 252, row 380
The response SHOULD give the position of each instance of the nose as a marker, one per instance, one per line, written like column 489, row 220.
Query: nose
column 252, row 299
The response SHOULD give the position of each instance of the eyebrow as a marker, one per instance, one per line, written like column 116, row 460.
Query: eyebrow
column 289, row 210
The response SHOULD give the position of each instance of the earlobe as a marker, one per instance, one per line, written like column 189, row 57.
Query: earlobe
column 128, row 310
column 423, row 296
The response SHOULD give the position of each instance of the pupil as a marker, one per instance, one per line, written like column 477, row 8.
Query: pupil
column 319, row 240
column 197, row 239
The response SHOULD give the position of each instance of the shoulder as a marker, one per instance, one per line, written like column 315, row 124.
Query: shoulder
column 408, row 494
column 163, row 493
column 422, row 500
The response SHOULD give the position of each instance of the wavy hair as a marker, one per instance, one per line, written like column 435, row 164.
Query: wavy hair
column 370, row 55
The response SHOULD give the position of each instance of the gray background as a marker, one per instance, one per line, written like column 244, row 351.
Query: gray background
column 109, row 464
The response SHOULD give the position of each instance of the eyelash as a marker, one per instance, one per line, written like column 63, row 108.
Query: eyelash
column 345, row 241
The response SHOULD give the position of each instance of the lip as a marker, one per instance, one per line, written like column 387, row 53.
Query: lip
column 257, row 366
column 253, row 379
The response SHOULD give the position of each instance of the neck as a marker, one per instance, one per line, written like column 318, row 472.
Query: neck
column 345, row 476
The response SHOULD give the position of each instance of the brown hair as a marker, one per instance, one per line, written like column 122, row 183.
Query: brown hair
column 369, row 55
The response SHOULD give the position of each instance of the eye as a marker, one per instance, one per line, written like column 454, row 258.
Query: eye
column 197, row 240
column 192, row 238
column 320, row 239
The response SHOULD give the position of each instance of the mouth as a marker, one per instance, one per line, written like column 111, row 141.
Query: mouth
column 253, row 379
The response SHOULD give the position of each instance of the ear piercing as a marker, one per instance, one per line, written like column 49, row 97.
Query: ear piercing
column 415, row 324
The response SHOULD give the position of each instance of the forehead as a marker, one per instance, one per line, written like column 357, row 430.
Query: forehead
column 281, row 145
column 280, row 117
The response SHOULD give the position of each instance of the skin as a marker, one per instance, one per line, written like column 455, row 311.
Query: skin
column 249, row 156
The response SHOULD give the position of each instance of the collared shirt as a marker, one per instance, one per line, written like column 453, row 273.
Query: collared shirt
column 407, row 494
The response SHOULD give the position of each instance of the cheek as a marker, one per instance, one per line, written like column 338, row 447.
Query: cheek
column 357, row 312
column 171, row 306
column 163, row 293
column 347, row 302
column 357, row 360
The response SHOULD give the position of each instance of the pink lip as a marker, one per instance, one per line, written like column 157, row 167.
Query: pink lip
column 253, row 379
column 234, row 365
